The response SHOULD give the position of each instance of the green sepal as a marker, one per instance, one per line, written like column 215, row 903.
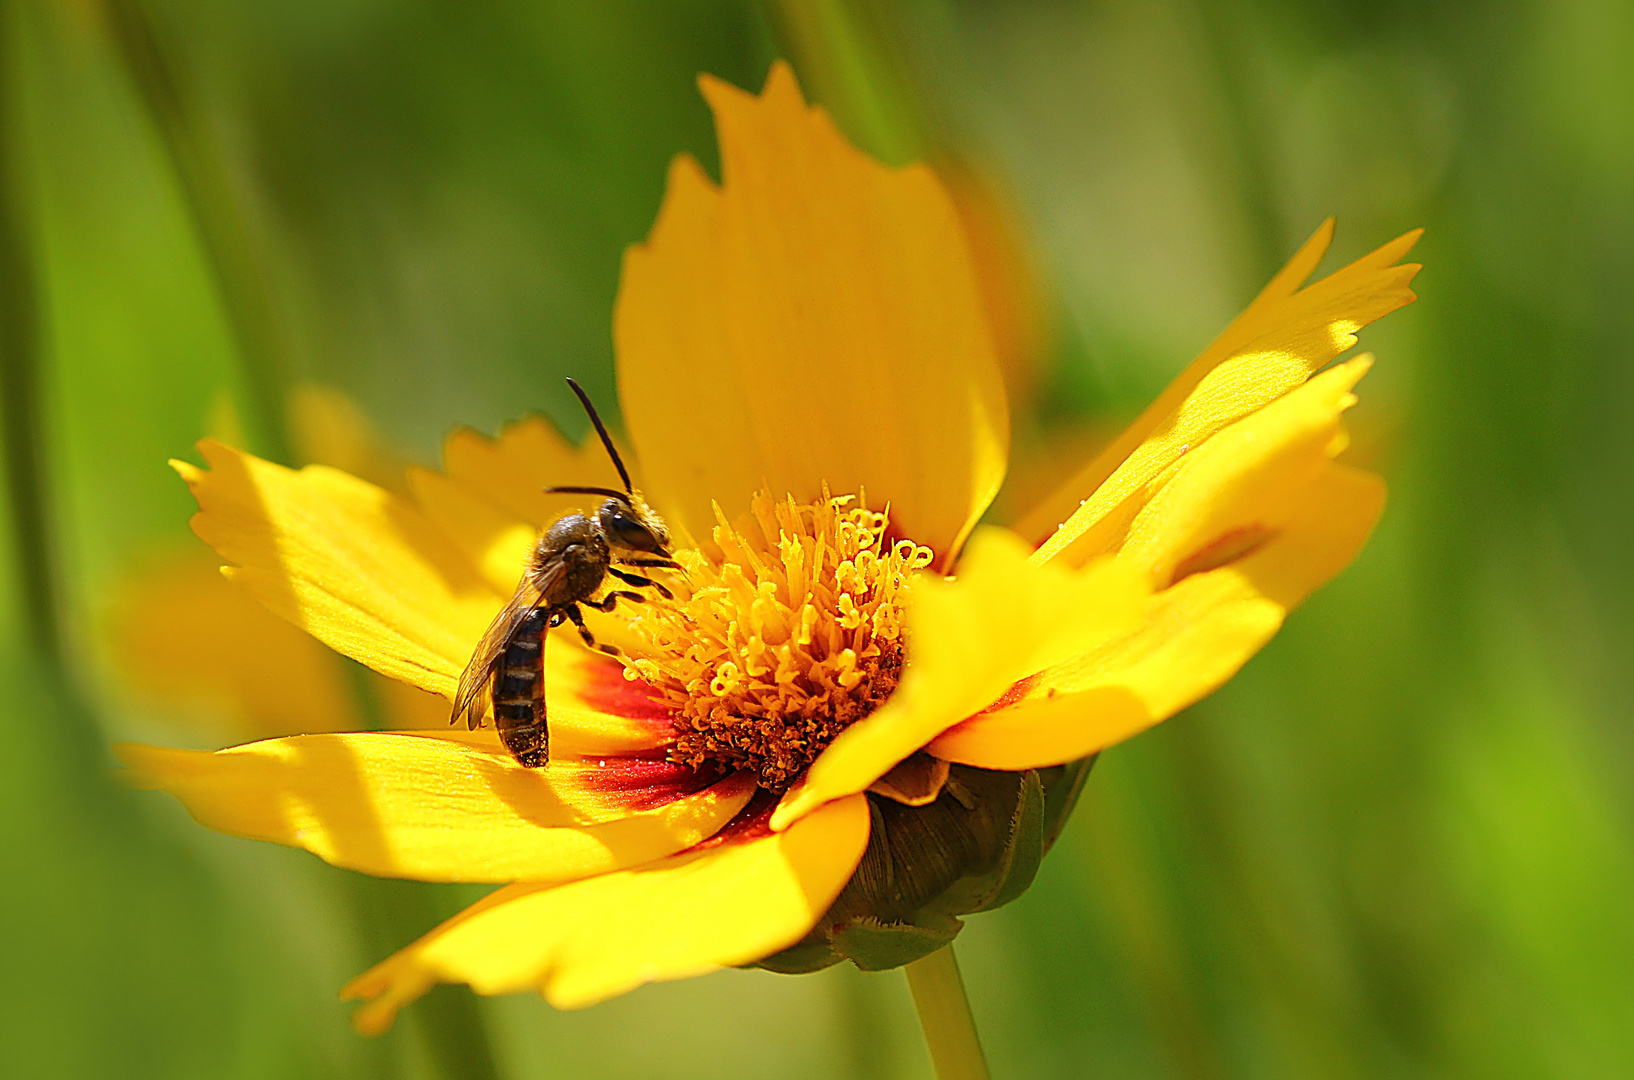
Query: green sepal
column 811, row 953
column 1024, row 851
column 877, row 946
column 1062, row 786
column 976, row 848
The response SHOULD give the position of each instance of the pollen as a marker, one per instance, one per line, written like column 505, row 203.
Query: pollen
column 791, row 635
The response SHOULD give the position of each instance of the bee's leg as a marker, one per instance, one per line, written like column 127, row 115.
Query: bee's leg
column 577, row 618
column 608, row 602
column 662, row 564
column 637, row 579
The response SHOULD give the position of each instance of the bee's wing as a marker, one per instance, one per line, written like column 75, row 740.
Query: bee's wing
column 467, row 701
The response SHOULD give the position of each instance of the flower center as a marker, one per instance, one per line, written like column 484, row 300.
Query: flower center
column 793, row 635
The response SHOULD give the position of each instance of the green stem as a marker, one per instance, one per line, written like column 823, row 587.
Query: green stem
column 944, row 1014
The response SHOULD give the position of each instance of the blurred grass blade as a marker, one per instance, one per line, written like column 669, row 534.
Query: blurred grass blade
column 21, row 416
column 229, row 243
column 451, row 1025
column 846, row 61
column 449, row 1020
column 1245, row 130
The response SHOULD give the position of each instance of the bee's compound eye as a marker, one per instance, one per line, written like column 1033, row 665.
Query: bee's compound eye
column 626, row 530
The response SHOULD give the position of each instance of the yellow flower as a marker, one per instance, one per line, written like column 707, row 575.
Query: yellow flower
column 862, row 715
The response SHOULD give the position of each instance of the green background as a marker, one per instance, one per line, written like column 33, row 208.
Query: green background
column 1398, row 845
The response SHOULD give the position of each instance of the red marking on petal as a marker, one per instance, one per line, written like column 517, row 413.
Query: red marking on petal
column 1224, row 550
column 1013, row 696
column 1019, row 690
column 605, row 688
column 642, row 783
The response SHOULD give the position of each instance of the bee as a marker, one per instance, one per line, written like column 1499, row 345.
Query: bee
column 566, row 569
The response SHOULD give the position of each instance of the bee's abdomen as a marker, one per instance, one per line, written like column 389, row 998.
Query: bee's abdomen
column 519, row 692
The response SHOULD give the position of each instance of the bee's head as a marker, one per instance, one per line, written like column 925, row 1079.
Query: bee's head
column 630, row 524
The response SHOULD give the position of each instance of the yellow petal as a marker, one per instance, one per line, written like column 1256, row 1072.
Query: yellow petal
column 1274, row 346
column 815, row 319
column 1244, row 480
column 439, row 809
column 1250, row 487
column 1195, row 636
column 329, row 428
column 512, row 471
column 402, row 707
column 179, row 631
column 970, row 640
column 358, row 568
column 742, row 896
column 491, row 539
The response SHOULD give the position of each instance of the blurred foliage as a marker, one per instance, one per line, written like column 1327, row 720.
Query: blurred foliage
column 1397, row 845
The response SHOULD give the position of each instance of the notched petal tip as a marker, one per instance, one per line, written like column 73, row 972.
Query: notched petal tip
column 1196, row 635
column 809, row 257
column 781, row 87
column 134, row 774
column 188, row 471
column 1238, row 532
column 1285, row 335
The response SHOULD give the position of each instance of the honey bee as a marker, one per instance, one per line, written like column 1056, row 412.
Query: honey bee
column 566, row 568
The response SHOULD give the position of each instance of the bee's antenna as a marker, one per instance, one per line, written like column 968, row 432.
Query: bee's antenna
column 606, row 440
column 621, row 496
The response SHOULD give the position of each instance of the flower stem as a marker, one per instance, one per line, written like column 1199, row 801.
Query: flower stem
column 944, row 1014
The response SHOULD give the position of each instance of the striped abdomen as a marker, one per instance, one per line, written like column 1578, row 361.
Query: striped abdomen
column 519, row 692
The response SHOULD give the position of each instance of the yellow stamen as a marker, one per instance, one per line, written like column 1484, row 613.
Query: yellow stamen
column 792, row 636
